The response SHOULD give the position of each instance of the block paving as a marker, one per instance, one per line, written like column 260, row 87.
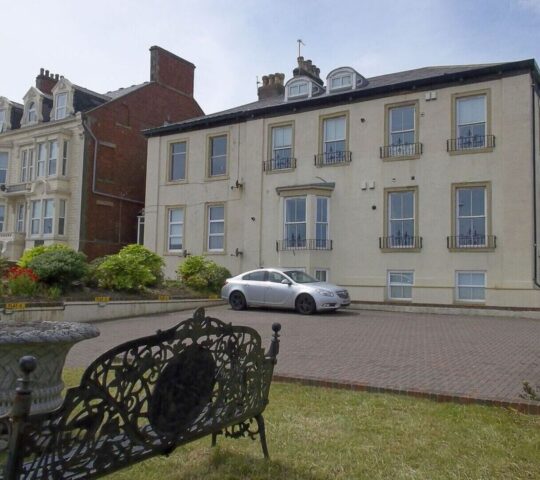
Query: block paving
column 445, row 357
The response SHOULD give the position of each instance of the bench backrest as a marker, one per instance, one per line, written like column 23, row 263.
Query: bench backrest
column 147, row 396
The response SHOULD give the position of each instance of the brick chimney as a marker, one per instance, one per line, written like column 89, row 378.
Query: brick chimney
column 306, row 68
column 46, row 81
column 272, row 86
column 171, row 70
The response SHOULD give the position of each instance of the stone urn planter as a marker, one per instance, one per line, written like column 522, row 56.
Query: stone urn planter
column 50, row 343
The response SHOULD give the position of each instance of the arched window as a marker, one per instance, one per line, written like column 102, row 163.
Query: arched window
column 32, row 113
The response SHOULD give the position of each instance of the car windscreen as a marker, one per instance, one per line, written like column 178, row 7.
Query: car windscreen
column 300, row 277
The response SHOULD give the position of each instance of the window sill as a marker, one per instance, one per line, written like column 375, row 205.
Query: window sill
column 398, row 158
column 472, row 249
column 176, row 182
column 210, row 252
column 471, row 151
column 469, row 302
column 279, row 170
column 216, row 178
column 401, row 250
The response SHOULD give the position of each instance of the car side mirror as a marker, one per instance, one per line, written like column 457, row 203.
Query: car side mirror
column 286, row 282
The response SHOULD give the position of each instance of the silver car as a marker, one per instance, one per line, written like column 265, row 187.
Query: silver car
column 283, row 288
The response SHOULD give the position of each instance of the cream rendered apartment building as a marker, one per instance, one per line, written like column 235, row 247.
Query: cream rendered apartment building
column 417, row 186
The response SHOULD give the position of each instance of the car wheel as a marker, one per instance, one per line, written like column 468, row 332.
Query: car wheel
column 305, row 304
column 237, row 301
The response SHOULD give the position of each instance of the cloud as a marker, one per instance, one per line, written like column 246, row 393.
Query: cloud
column 532, row 5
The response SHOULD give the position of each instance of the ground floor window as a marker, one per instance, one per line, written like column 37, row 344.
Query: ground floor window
column 471, row 286
column 176, row 229
column 2, row 217
column 216, row 228
column 44, row 215
column 400, row 285
column 321, row 274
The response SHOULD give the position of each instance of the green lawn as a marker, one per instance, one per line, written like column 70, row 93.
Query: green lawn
column 315, row 433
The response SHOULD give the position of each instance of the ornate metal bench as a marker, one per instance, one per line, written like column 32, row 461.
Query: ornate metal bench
column 145, row 398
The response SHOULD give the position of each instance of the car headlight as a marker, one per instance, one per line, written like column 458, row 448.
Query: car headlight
column 325, row 293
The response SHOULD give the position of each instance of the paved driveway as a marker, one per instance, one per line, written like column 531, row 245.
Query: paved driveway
column 482, row 357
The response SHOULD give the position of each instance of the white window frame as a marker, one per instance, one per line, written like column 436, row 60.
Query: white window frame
column 327, row 141
column 212, row 157
column 35, row 217
column 6, row 156
column 469, row 142
column 282, row 162
column 178, row 156
column 401, row 149
column 322, row 242
column 31, row 114
column 341, row 77
column 27, row 165
column 140, row 229
column 318, row 271
column 60, row 111
column 3, row 119
column 211, row 222
column 20, row 218
column 180, row 223
column 62, row 205
column 299, row 89
column 296, row 243
column 3, row 207
column 399, row 284
column 65, row 147
column 470, row 286
column 473, row 239
column 52, row 160
column 48, row 216
column 42, row 155
column 394, row 240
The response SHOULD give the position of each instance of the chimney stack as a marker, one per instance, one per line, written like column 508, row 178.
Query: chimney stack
column 168, row 69
column 272, row 86
column 46, row 81
column 308, row 69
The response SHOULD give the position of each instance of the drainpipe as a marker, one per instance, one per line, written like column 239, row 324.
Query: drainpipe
column 535, row 208
column 94, row 173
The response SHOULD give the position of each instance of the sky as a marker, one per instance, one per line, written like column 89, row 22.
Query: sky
column 104, row 45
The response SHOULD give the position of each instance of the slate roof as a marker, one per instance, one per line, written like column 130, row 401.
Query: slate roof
column 379, row 85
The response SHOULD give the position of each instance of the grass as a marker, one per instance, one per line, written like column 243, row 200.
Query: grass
column 316, row 433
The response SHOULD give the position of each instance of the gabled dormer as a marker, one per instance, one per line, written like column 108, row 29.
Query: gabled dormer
column 10, row 115
column 344, row 78
column 63, row 93
column 37, row 107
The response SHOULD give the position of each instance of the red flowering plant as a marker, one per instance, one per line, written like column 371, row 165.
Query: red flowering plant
column 22, row 281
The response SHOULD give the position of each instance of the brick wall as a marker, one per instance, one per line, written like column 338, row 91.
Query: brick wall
column 110, row 223
column 169, row 69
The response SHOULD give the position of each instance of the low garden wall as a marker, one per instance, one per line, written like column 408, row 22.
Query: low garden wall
column 98, row 310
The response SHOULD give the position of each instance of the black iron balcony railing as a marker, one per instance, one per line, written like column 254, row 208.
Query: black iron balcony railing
column 333, row 158
column 471, row 241
column 402, row 150
column 304, row 244
column 470, row 143
column 400, row 242
column 279, row 164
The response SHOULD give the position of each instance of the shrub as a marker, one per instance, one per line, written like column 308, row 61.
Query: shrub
column 132, row 268
column 91, row 278
column 22, row 281
column 119, row 272
column 59, row 266
column 32, row 253
column 4, row 265
column 200, row 273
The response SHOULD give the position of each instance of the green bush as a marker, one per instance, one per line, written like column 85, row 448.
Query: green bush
column 22, row 281
column 59, row 266
column 30, row 254
column 200, row 273
column 117, row 272
column 91, row 278
column 143, row 256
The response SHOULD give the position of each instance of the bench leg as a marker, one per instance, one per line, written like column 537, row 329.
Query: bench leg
column 214, row 439
column 262, row 435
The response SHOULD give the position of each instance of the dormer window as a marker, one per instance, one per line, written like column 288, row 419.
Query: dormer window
column 31, row 116
column 60, row 108
column 344, row 78
column 298, row 89
column 2, row 120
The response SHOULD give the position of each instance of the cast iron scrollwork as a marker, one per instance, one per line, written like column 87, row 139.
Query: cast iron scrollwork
column 148, row 396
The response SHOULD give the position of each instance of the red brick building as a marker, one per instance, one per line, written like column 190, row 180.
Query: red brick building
column 73, row 161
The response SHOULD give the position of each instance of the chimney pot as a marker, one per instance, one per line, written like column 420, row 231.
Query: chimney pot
column 57, row 76
column 272, row 86
column 41, row 71
column 265, row 80
column 272, row 79
column 46, row 73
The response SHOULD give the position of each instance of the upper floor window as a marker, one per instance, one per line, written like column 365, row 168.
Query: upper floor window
column 31, row 115
column 27, row 165
column 2, row 120
column 2, row 217
column 341, row 81
column 334, row 141
column 282, row 147
column 61, row 106
column 177, row 169
column 42, row 217
column 401, row 219
column 3, row 167
column 402, row 131
column 21, row 216
column 471, row 121
column 216, row 228
column 47, row 159
column 298, row 89
column 471, row 216
column 218, row 156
